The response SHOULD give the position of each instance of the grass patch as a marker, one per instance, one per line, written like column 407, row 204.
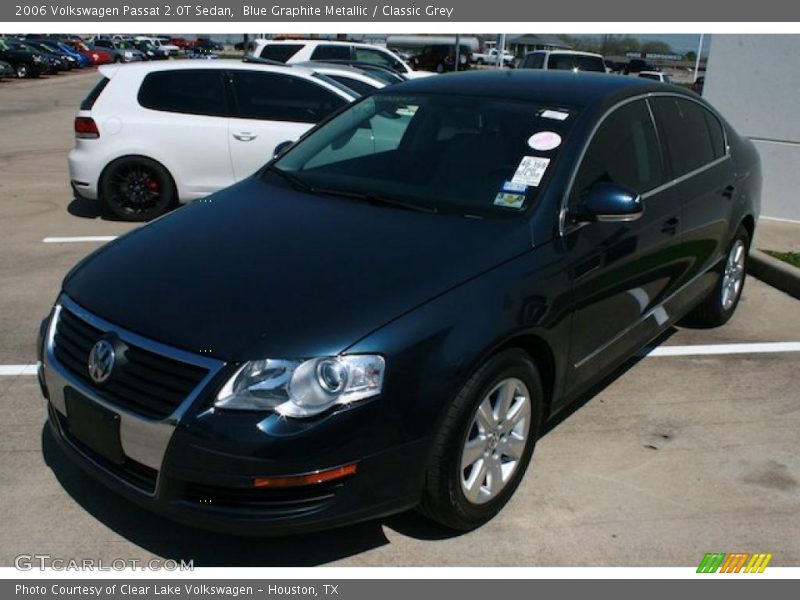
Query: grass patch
column 793, row 258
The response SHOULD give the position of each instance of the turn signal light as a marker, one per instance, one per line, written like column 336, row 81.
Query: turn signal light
column 86, row 128
column 309, row 479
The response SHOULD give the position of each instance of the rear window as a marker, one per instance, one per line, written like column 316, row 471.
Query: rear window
column 533, row 61
column 693, row 135
column 331, row 52
column 196, row 92
column 89, row 101
column 569, row 62
column 280, row 52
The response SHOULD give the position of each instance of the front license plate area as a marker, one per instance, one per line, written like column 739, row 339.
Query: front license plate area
column 94, row 426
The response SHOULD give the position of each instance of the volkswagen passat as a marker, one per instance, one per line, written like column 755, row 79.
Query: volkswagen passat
column 384, row 316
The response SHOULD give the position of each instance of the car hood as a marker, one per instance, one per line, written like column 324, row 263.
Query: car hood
column 263, row 271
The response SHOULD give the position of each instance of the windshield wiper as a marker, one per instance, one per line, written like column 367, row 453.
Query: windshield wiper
column 378, row 199
column 293, row 180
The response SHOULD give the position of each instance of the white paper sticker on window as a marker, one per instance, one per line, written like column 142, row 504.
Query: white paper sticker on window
column 544, row 141
column 530, row 171
column 558, row 115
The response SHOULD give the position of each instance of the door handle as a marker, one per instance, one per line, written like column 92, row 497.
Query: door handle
column 245, row 136
column 728, row 192
column 670, row 227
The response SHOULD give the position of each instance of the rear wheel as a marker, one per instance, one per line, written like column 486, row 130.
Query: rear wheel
column 137, row 189
column 485, row 443
column 721, row 303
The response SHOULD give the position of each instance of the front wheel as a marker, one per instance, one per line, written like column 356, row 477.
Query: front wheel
column 137, row 189
column 485, row 443
column 718, row 307
column 23, row 71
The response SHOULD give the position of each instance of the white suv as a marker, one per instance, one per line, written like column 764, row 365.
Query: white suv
column 298, row 51
column 153, row 134
column 564, row 60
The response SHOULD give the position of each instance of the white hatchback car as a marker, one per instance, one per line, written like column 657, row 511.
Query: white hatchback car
column 152, row 134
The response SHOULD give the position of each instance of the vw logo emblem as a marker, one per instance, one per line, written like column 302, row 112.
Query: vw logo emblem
column 101, row 361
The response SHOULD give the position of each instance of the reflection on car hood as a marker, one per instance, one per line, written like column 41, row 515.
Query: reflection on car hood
column 266, row 271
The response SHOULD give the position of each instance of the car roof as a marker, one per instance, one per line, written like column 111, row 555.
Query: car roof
column 556, row 88
column 264, row 41
column 182, row 65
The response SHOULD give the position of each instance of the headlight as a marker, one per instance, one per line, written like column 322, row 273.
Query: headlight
column 295, row 388
column 128, row 54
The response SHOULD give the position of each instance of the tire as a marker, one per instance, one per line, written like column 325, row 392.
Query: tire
column 440, row 68
column 718, row 307
column 22, row 70
column 480, row 61
column 448, row 498
column 117, row 59
column 137, row 189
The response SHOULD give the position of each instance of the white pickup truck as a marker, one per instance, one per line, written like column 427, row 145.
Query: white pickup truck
column 490, row 57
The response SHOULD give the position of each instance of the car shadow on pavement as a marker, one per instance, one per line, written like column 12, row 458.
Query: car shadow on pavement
column 169, row 539
column 596, row 389
column 88, row 209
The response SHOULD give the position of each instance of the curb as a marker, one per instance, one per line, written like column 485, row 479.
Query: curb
column 776, row 273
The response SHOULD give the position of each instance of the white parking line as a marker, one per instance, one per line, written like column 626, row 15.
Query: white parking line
column 754, row 348
column 697, row 350
column 79, row 238
column 14, row 370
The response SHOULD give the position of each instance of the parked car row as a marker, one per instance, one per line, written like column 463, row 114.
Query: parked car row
column 31, row 56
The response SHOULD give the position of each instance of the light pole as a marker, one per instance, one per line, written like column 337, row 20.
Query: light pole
column 697, row 60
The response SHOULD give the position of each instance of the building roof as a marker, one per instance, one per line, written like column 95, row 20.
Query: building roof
column 536, row 39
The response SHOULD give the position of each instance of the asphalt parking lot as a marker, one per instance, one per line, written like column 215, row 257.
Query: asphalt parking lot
column 677, row 456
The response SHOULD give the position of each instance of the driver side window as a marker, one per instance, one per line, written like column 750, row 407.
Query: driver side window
column 624, row 151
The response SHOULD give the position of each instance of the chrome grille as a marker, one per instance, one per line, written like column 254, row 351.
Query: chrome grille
column 146, row 383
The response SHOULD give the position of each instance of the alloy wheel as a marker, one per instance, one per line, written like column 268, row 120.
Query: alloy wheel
column 136, row 188
column 495, row 443
column 733, row 277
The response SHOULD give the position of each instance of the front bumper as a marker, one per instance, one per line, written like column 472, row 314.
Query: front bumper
column 197, row 465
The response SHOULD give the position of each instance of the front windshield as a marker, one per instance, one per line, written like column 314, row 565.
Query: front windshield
column 450, row 153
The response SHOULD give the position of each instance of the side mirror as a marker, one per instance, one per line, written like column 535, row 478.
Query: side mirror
column 281, row 148
column 608, row 203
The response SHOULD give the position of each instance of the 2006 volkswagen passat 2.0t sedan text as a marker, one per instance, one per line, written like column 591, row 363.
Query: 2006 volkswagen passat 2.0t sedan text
column 384, row 316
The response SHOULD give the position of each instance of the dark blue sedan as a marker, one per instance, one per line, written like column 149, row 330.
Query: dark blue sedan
column 386, row 314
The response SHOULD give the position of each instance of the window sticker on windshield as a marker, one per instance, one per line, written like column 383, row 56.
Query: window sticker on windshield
column 509, row 199
column 558, row 115
column 544, row 141
column 530, row 171
column 517, row 188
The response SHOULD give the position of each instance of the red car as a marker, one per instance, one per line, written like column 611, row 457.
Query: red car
column 179, row 42
column 98, row 57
